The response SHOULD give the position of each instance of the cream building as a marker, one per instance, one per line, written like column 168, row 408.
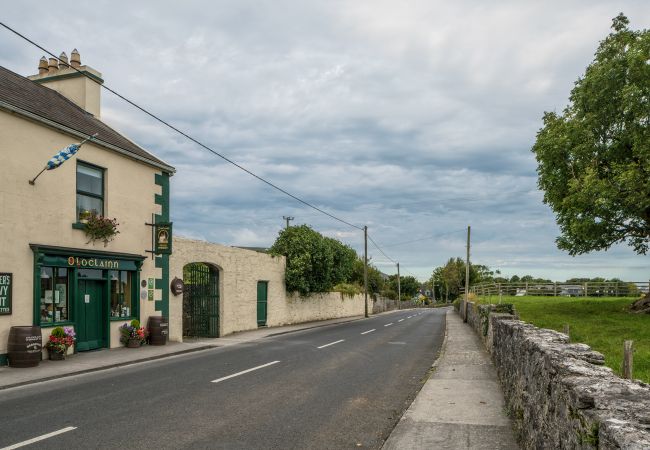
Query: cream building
column 57, row 276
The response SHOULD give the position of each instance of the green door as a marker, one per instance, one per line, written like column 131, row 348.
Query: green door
column 90, row 317
column 262, row 293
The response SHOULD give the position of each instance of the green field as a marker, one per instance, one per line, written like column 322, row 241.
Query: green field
column 602, row 323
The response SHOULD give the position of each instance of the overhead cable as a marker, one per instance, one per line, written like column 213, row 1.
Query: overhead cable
column 182, row 133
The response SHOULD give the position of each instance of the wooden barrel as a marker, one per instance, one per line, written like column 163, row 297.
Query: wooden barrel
column 25, row 345
column 158, row 330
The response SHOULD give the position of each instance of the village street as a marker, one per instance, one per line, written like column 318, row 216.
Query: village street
column 338, row 386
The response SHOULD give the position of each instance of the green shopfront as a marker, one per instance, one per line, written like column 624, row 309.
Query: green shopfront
column 87, row 290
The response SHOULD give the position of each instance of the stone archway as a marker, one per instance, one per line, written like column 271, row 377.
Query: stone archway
column 200, row 300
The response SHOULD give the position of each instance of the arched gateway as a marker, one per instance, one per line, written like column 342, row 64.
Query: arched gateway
column 200, row 300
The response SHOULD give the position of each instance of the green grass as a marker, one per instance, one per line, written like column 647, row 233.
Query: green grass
column 602, row 323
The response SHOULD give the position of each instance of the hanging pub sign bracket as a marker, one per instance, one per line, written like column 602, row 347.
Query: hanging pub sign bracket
column 161, row 238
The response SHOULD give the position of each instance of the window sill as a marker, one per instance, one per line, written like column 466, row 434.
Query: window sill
column 78, row 226
column 122, row 319
column 56, row 324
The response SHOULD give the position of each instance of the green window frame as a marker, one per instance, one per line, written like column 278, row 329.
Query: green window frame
column 90, row 187
column 54, row 296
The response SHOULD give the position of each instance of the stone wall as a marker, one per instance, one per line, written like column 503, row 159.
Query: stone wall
column 559, row 394
column 321, row 306
column 239, row 271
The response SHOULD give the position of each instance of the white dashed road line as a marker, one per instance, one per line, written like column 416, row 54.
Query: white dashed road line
column 244, row 371
column 40, row 438
column 369, row 331
column 400, row 320
column 331, row 343
column 388, row 324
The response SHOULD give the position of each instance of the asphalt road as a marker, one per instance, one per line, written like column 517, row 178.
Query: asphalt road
column 338, row 386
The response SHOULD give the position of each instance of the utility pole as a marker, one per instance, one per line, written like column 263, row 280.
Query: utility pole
column 288, row 219
column 365, row 268
column 433, row 291
column 399, row 289
column 467, row 275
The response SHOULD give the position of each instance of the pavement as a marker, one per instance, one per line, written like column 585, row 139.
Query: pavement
column 461, row 405
column 103, row 359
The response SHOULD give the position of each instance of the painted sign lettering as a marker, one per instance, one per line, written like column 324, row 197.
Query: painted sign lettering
column 95, row 263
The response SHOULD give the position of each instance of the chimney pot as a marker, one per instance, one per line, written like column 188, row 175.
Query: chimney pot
column 75, row 59
column 42, row 66
column 53, row 66
column 63, row 60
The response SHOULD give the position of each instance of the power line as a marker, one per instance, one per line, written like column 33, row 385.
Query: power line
column 380, row 250
column 182, row 133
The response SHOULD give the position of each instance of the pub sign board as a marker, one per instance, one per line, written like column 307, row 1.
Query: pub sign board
column 5, row 293
column 163, row 238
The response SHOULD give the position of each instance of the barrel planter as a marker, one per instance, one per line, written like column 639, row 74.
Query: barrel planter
column 158, row 330
column 25, row 346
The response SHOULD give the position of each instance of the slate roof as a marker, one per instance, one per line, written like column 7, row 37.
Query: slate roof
column 26, row 95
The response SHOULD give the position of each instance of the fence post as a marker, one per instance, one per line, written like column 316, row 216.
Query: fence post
column 555, row 289
column 585, row 288
column 628, row 359
column 566, row 330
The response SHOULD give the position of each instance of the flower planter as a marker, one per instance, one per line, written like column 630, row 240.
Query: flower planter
column 133, row 343
column 56, row 356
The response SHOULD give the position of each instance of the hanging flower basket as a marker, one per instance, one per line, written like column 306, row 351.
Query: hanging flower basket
column 100, row 228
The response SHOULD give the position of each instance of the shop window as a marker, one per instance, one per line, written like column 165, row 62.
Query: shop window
column 90, row 190
column 121, row 293
column 54, row 295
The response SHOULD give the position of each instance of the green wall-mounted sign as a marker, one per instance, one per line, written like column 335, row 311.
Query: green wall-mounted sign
column 163, row 238
column 5, row 293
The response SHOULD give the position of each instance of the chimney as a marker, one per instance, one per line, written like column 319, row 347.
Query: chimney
column 42, row 66
column 63, row 60
column 53, row 66
column 80, row 84
column 75, row 59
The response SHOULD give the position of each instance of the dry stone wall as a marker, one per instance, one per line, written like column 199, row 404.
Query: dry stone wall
column 559, row 394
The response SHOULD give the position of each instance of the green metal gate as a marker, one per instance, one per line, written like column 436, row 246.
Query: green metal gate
column 200, row 301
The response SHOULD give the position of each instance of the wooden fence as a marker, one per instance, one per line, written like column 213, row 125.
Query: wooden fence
column 567, row 289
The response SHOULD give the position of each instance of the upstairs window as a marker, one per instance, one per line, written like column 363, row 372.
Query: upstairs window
column 90, row 190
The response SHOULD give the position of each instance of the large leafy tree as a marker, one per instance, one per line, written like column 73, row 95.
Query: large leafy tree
column 594, row 158
column 314, row 263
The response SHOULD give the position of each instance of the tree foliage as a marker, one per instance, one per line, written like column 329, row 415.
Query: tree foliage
column 314, row 263
column 409, row 286
column 594, row 158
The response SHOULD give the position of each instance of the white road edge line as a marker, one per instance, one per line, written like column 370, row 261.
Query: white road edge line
column 244, row 371
column 331, row 343
column 409, row 317
column 388, row 324
column 369, row 331
column 400, row 320
column 39, row 438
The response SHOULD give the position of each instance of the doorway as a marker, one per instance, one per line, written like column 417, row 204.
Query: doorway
column 90, row 315
column 262, row 299
column 200, row 300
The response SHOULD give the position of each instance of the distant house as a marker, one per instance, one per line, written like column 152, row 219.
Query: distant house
column 572, row 290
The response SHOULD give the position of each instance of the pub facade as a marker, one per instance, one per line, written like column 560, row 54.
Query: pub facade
column 52, row 271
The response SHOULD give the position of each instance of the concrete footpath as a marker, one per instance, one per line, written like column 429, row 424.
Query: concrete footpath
column 105, row 359
column 461, row 405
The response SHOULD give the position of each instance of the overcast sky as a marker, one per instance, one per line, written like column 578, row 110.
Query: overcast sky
column 413, row 118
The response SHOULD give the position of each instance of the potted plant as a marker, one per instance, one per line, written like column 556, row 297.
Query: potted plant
column 132, row 335
column 100, row 228
column 84, row 216
column 60, row 340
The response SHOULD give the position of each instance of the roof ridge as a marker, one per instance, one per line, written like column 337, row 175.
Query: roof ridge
column 54, row 107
